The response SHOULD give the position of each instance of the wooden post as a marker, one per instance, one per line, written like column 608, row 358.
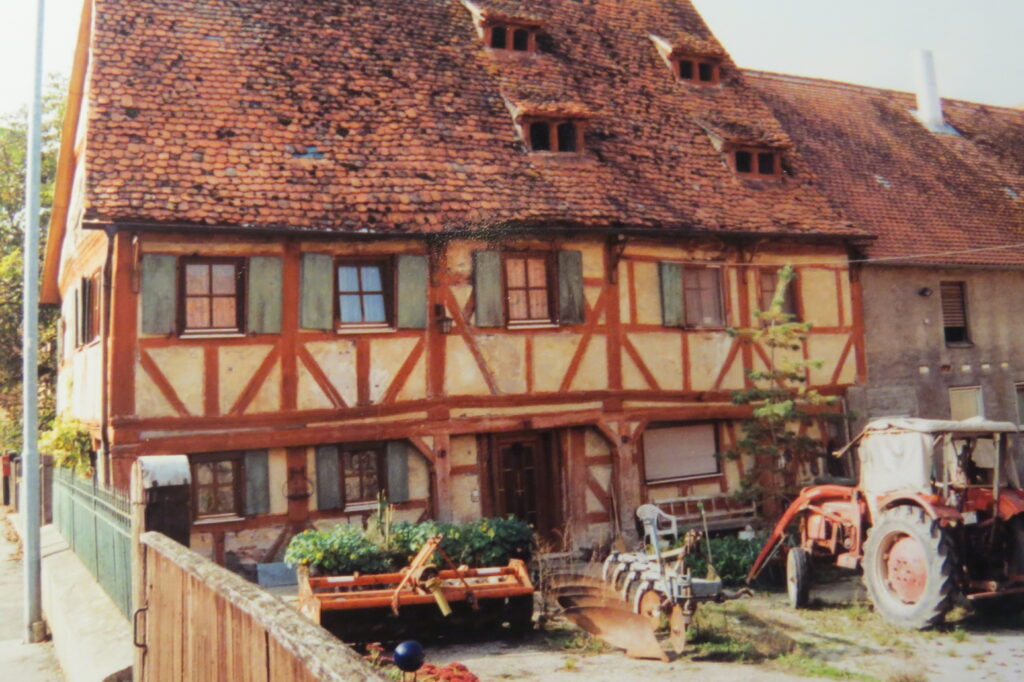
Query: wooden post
column 443, row 476
column 138, row 501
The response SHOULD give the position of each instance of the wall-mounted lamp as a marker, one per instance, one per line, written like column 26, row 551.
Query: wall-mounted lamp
column 444, row 323
column 925, row 292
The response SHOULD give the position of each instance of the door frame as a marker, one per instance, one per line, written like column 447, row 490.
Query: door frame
column 550, row 451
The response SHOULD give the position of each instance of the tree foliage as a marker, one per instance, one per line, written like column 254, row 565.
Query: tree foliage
column 13, row 140
column 782, row 402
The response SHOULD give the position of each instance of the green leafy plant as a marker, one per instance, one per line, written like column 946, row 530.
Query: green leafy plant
column 731, row 556
column 384, row 548
column 772, row 438
column 70, row 443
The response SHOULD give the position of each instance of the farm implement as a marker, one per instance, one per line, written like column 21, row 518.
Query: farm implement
column 636, row 591
column 421, row 599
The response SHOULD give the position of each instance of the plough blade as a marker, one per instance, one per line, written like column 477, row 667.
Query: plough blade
column 677, row 629
column 620, row 628
column 567, row 601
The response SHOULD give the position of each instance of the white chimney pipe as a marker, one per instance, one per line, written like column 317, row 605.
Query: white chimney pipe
column 929, row 106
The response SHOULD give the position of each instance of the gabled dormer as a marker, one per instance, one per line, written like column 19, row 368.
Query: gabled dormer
column 690, row 59
column 503, row 33
column 749, row 153
column 550, row 127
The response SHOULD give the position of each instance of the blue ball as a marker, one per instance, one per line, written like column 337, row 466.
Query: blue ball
column 409, row 656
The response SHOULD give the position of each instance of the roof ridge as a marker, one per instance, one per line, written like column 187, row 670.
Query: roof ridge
column 846, row 85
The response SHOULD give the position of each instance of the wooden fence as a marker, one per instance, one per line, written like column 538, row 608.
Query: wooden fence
column 96, row 523
column 202, row 622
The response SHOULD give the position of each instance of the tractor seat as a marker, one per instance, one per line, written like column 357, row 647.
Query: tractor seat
column 835, row 480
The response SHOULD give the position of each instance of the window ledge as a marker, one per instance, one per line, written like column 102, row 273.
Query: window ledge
column 532, row 325
column 365, row 329
column 212, row 520
column 959, row 344
column 225, row 335
column 693, row 477
column 360, row 507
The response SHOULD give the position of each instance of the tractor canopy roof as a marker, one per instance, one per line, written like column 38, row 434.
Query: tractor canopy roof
column 975, row 426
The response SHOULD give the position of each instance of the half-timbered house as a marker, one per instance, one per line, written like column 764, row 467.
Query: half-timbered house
column 477, row 256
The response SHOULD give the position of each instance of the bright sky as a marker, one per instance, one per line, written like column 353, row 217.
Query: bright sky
column 979, row 51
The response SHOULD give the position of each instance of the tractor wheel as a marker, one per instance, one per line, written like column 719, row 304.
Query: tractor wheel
column 909, row 568
column 798, row 577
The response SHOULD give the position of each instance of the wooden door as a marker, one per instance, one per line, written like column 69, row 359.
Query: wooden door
column 524, row 475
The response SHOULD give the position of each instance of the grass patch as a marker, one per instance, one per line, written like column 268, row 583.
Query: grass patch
column 574, row 641
column 959, row 634
column 714, row 645
column 800, row 664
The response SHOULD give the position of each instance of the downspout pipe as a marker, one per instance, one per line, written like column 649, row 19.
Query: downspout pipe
column 108, row 461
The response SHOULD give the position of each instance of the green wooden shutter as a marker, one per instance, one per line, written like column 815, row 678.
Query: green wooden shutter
column 76, row 312
column 571, row 308
column 328, row 478
column 317, row 298
column 159, row 293
column 672, row 313
column 412, row 291
column 264, row 295
column 257, row 482
column 397, row 467
column 487, row 289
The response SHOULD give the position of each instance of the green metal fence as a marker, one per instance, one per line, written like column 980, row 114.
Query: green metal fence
column 96, row 523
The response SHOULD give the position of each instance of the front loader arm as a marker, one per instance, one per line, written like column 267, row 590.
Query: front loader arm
column 807, row 496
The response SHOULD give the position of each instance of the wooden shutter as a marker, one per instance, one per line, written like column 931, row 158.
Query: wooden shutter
column 672, row 309
column 397, row 468
column 257, row 482
column 571, row 306
column 264, row 295
column 84, row 311
column 159, row 293
column 317, row 297
column 487, row 289
column 328, row 478
column 412, row 291
column 76, row 314
column 954, row 310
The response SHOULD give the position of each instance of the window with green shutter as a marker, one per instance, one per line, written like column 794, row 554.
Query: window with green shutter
column 528, row 288
column 353, row 475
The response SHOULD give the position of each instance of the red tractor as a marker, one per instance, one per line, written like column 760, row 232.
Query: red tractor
column 937, row 515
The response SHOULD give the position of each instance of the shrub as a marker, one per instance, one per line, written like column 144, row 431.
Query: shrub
column 348, row 549
column 732, row 558
column 70, row 443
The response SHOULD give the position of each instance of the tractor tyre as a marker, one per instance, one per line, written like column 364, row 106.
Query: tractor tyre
column 909, row 568
column 798, row 577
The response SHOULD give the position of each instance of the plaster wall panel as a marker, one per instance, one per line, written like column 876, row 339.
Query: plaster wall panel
column 461, row 293
column 277, row 475
column 818, row 291
column 623, row 302
column 202, row 544
column 844, row 293
column 462, row 374
column 465, row 497
column 386, row 357
column 592, row 294
column 594, row 444
column 632, row 377
column 552, row 354
column 268, row 397
column 731, row 296
column 708, row 353
column 648, row 292
column 415, row 387
column 86, row 386
column 149, row 401
column 593, row 258
column 828, row 348
column 237, row 365
column 419, row 476
column 311, row 396
column 506, row 356
column 183, row 367
column 337, row 359
column 661, row 352
column 592, row 374
column 602, row 473
column 463, row 451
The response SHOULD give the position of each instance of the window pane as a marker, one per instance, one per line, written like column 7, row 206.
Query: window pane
column 686, row 69
column 539, row 304
column 224, row 312
column 540, row 136
column 197, row 278
column 374, row 304
column 498, row 36
column 348, row 278
column 711, row 296
column 223, row 279
column 515, row 272
column 769, row 280
column 204, row 474
column 706, row 72
column 204, row 501
column 692, row 302
column 517, row 305
column 537, row 272
column 371, row 278
column 566, row 137
column 744, row 162
column 197, row 313
column 225, row 500
column 766, row 164
column 521, row 40
column 351, row 310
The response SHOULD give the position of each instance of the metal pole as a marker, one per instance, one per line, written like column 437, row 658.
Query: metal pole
column 34, row 630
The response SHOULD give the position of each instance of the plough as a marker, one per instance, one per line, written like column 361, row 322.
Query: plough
column 636, row 590
column 421, row 598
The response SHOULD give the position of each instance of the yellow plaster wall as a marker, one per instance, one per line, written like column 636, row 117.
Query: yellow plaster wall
column 506, row 356
column 338, row 361
column 386, row 358
column 462, row 374
column 277, row 475
column 149, row 401
column 592, row 374
column 237, row 365
column 183, row 367
column 552, row 354
column 819, row 296
column 662, row 353
column 708, row 352
column 311, row 396
column 648, row 304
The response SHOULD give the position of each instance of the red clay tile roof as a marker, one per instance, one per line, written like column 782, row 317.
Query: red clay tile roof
column 389, row 115
column 918, row 192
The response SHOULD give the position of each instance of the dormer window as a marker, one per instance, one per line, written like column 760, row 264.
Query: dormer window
column 696, row 70
column 511, row 37
column 758, row 162
column 546, row 135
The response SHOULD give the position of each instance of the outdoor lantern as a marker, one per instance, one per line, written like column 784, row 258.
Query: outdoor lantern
column 444, row 323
